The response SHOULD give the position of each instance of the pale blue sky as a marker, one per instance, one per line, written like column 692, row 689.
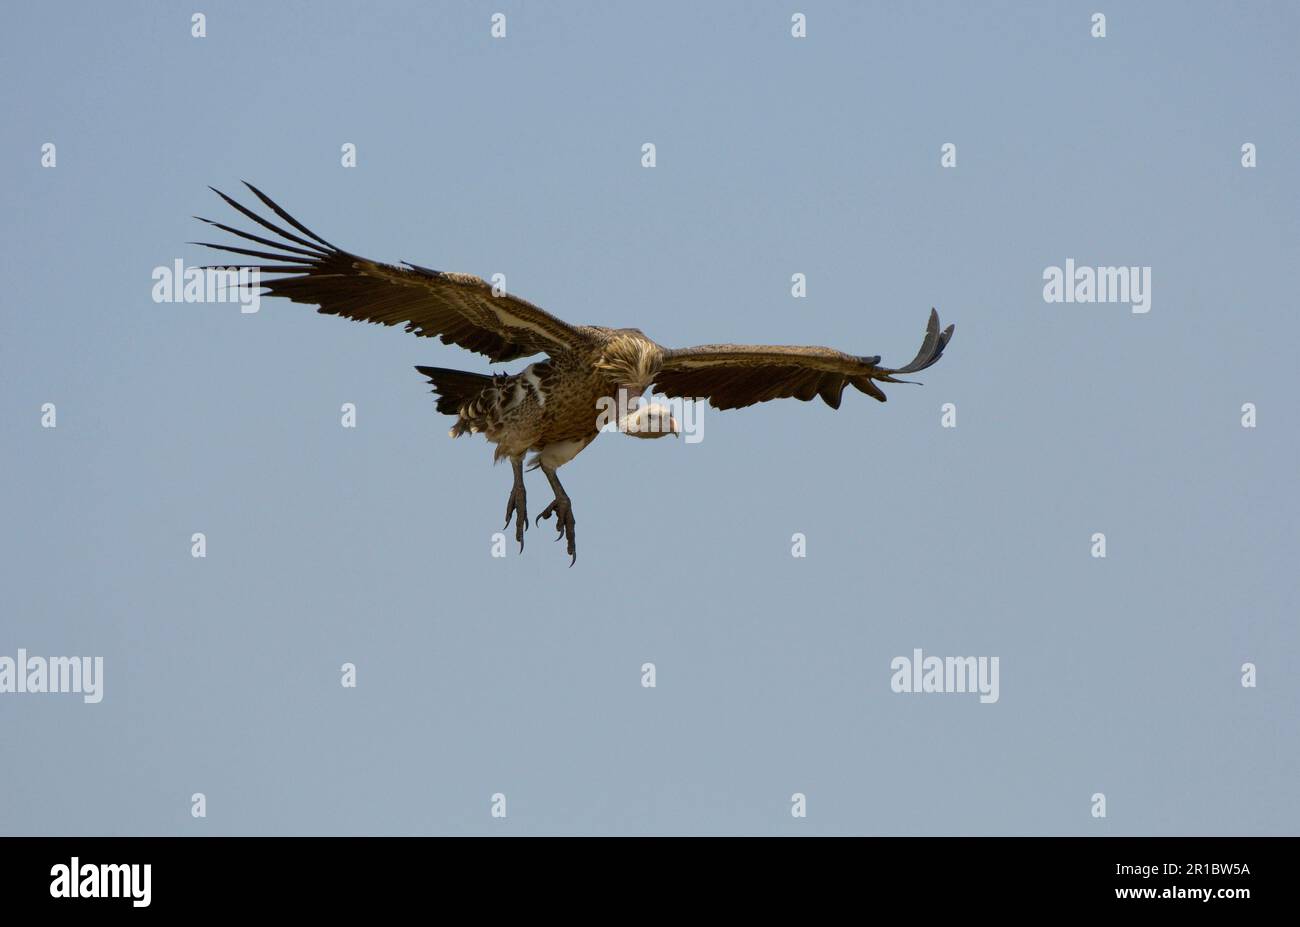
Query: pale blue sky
column 775, row 156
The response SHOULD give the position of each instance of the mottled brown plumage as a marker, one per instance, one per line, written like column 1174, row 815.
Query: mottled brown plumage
column 551, row 407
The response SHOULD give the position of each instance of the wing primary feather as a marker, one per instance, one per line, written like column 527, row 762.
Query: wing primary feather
column 263, row 241
column 288, row 218
column 928, row 344
column 262, row 222
column 251, row 253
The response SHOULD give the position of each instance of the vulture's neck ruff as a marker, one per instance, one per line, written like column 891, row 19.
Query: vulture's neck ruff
column 631, row 360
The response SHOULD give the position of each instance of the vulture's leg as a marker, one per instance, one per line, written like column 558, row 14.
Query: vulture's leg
column 562, row 509
column 516, row 506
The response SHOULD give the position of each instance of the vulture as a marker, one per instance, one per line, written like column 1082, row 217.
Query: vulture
column 552, row 407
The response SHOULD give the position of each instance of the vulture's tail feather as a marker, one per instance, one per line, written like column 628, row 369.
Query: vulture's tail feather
column 455, row 388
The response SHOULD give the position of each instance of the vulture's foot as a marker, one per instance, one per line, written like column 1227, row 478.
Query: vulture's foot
column 517, row 505
column 562, row 509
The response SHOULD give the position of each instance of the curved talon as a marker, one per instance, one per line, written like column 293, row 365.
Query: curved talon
column 516, row 506
column 564, row 524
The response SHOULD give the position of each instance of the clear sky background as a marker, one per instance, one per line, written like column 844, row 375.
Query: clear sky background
column 519, row 675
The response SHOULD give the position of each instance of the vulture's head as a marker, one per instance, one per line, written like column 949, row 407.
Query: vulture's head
column 650, row 420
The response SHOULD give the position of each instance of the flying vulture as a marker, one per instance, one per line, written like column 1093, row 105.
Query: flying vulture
column 551, row 406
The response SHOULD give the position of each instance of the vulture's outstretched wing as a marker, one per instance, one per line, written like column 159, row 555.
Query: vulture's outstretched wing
column 458, row 308
column 736, row 375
